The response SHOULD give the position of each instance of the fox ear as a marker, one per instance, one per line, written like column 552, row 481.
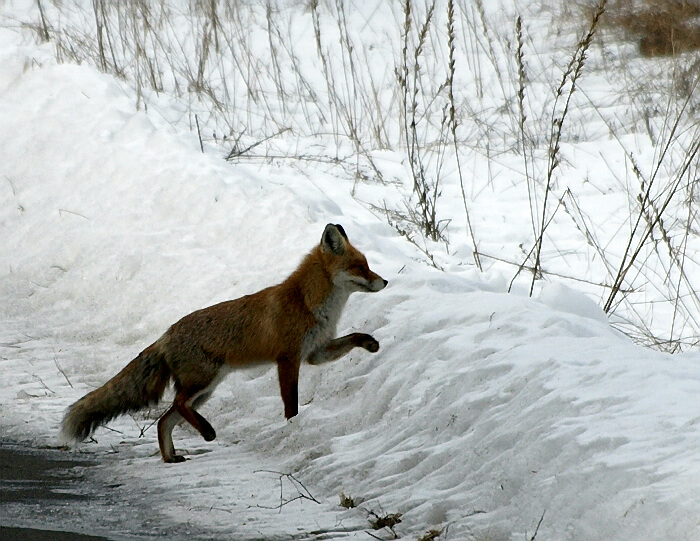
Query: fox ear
column 334, row 239
column 342, row 231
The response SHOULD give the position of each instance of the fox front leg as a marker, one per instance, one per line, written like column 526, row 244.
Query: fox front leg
column 340, row 346
column 288, row 373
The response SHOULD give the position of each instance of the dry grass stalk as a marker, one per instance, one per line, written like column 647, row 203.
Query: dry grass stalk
column 453, row 122
column 570, row 78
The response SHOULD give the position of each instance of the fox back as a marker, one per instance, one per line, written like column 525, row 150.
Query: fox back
column 293, row 317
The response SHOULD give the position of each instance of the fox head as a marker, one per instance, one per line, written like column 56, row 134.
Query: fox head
column 348, row 265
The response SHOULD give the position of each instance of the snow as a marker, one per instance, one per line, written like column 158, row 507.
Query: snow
column 483, row 412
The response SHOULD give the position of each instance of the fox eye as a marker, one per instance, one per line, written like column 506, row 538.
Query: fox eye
column 357, row 268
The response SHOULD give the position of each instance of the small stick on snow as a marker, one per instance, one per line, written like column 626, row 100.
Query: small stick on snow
column 302, row 494
column 199, row 134
column 537, row 528
column 55, row 360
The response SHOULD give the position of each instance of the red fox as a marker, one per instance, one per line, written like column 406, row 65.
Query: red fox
column 286, row 324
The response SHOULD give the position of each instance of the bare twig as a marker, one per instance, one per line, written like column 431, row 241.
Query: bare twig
column 55, row 360
column 302, row 492
column 43, row 384
column 236, row 153
column 537, row 528
column 199, row 134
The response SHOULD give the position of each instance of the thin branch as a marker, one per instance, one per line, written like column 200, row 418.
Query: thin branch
column 302, row 492
column 235, row 153
column 537, row 528
column 55, row 360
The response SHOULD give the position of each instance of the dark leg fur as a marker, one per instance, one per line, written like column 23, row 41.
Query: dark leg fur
column 195, row 419
column 288, row 372
column 200, row 400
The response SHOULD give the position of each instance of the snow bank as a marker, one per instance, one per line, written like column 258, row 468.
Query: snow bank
column 481, row 413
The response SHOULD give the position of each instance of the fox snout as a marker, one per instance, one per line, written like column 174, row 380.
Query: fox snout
column 369, row 284
column 377, row 284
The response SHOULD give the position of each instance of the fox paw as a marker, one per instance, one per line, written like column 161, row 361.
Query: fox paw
column 369, row 343
column 209, row 435
column 175, row 459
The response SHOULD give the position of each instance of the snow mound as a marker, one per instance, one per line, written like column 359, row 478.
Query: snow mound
column 564, row 299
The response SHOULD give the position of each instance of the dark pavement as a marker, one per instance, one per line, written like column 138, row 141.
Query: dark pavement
column 34, row 486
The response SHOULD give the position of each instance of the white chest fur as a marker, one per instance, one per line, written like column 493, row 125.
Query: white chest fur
column 327, row 316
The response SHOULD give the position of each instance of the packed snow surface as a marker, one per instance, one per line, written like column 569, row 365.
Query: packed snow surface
column 483, row 414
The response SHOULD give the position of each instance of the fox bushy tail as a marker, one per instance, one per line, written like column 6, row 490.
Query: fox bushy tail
column 140, row 384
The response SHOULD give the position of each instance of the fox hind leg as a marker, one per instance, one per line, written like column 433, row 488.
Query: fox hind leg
column 201, row 399
column 165, row 435
column 182, row 409
column 183, row 405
